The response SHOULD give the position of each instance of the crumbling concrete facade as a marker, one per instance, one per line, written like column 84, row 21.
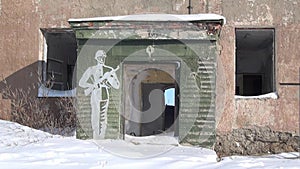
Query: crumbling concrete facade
column 255, row 141
column 22, row 49
column 280, row 114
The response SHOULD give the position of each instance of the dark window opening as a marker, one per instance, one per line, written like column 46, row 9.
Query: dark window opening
column 254, row 62
column 61, row 58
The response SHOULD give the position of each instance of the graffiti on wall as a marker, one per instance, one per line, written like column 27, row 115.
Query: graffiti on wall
column 97, row 82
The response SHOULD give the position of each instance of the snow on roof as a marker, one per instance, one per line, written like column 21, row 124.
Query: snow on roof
column 155, row 17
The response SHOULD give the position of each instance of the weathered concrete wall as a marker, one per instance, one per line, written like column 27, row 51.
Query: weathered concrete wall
column 21, row 42
column 21, row 47
column 255, row 141
column 19, row 36
column 281, row 114
column 20, row 22
column 5, row 109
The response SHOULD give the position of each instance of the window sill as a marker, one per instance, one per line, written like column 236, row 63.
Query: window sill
column 46, row 92
column 272, row 95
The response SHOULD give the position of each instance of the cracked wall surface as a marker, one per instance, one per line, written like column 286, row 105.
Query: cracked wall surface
column 280, row 114
column 21, row 21
column 255, row 141
column 20, row 46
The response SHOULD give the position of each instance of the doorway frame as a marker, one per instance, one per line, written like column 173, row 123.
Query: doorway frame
column 177, row 70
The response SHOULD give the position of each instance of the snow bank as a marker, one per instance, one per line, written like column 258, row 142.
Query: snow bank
column 23, row 147
column 13, row 134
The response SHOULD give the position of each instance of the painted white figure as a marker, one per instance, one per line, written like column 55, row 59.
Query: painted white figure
column 97, row 84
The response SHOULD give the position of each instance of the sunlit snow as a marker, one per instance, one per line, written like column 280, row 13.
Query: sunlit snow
column 23, row 147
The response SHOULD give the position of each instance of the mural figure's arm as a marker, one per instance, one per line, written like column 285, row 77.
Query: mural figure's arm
column 110, row 78
column 108, row 67
column 107, row 74
column 83, row 82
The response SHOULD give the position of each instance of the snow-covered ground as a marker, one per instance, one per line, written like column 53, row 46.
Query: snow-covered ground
column 23, row 147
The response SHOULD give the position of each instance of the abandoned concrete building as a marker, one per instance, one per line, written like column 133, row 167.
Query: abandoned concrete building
column 232, row 77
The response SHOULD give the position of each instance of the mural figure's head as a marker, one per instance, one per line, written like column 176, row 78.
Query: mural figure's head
column 100, row 56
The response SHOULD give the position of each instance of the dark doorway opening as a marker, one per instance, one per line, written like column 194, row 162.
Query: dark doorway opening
column 153, row 101
column 167, row 117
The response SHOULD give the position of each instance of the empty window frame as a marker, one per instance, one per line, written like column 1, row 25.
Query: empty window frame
column 60, row 59
column 254, row 62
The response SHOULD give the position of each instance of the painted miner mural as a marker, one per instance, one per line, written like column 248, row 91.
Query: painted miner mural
column 130, row 102
column 96, row 81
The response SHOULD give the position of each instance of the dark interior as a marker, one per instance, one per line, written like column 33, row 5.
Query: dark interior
column 61, row 58
column 254, row 61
